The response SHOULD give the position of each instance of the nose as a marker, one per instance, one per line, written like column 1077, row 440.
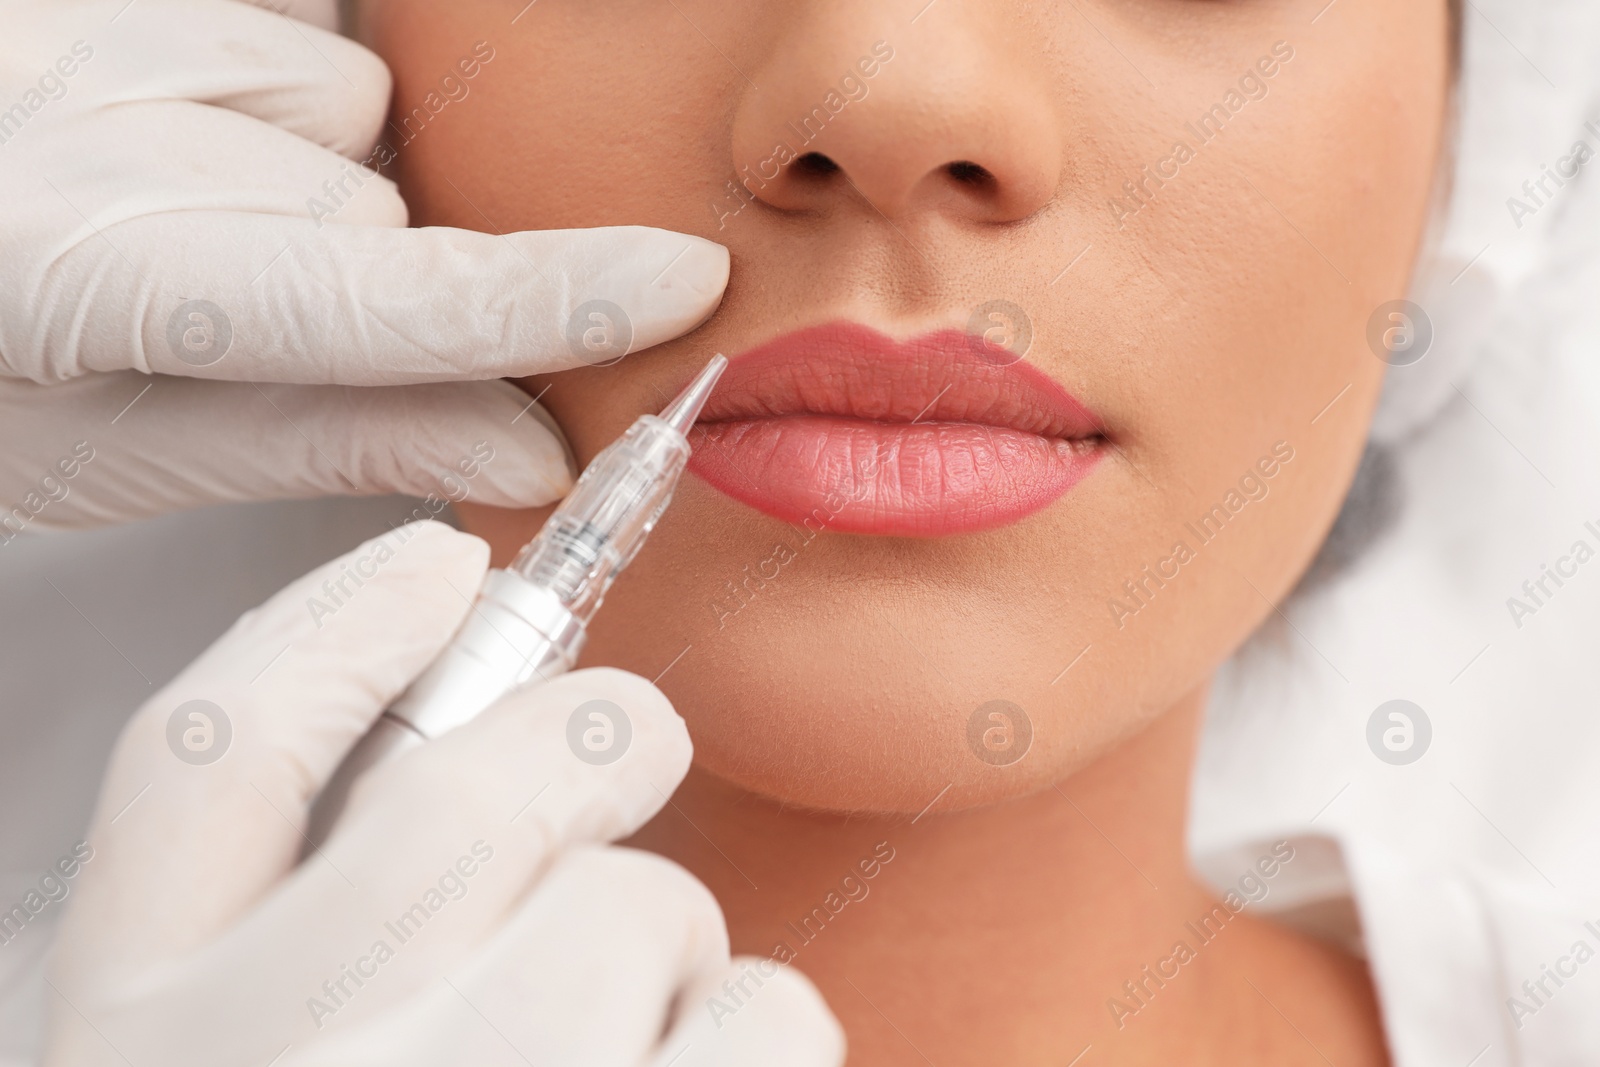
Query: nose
column 939, row 116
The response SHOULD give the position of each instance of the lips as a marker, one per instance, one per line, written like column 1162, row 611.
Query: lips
column 843, row 428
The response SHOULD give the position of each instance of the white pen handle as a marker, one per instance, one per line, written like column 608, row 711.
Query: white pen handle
column 516, row 634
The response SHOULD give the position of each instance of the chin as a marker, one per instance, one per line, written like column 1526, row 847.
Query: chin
column 864, row 675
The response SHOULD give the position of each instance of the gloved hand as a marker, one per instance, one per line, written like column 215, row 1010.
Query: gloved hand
column 466, row 909
column 204, row 297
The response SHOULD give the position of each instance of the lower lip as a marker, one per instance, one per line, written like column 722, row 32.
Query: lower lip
column 891, row 479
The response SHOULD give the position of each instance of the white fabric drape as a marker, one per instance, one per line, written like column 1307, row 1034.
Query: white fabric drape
column 1475, row 867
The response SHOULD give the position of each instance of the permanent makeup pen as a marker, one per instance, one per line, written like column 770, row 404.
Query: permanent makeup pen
column 529, row 620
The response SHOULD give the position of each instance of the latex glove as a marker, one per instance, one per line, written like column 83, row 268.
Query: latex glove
column 323, row 13
column 192, row 939
column 159, row 161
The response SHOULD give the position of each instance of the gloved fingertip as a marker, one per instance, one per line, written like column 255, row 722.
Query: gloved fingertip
column 559, row 436
column 780, row 1019
column 323, row 14
column 535, row 484
column 653, row 721
column 629, row 288
column 531, row 466
column 609, row 741
column 447, row 545
column 685, row 290
column 637, row 692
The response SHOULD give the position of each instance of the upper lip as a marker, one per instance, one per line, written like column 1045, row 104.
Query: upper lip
column 853, row 371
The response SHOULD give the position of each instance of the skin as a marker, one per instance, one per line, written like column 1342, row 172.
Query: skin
column 1226, row 316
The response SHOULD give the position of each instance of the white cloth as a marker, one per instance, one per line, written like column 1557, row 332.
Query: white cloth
column 1473, row 867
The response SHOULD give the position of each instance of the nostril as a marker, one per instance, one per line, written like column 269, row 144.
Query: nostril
column 966, row 172
column 814, row 165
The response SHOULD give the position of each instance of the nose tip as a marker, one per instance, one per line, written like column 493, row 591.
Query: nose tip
column 948, row 128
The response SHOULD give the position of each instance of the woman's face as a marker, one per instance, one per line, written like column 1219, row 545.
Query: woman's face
column 1165, row 225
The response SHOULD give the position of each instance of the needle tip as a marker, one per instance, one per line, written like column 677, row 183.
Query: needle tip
column 682, row 412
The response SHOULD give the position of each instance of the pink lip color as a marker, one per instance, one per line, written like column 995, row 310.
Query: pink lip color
column 846, row 429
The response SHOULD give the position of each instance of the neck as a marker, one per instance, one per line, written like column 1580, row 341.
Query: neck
column 1019, row 933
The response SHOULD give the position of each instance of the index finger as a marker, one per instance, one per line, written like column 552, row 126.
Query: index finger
column 362, row 305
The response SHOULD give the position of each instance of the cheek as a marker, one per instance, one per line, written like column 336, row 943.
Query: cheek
column 560, row 157
column 1240, row 295
column 819, row 670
